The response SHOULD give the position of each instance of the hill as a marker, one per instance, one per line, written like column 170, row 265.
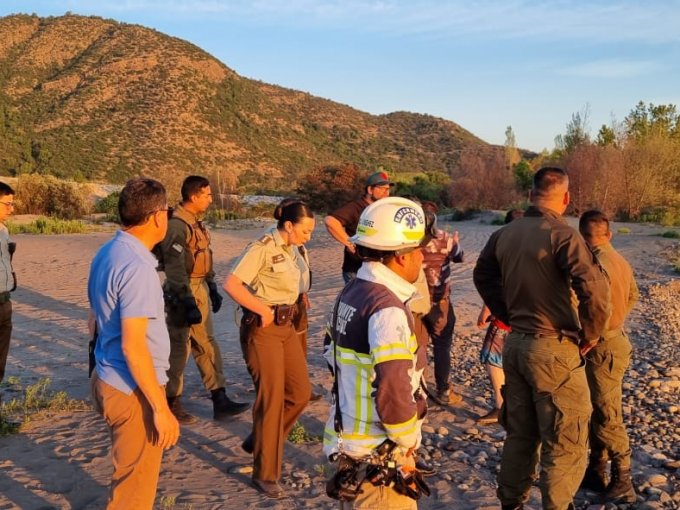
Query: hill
column 93, row 99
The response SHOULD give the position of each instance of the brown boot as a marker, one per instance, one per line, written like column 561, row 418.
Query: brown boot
column 620, row 489
column 175, row 405
column 595, row 478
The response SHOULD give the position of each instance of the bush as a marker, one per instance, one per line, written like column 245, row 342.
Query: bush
column 623, row 230
column 48, row 226
column 45, row 194
column 37, row 399
column 671, row 234
column 328, row 187
column 109, row 206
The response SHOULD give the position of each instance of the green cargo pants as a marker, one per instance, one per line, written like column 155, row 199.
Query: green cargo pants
column 546, row 408
column 200, row 341
column 606, row 365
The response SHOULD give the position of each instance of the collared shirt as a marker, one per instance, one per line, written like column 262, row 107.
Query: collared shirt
column 6, row 277
column 270, row 269
column 624, row 290
column 124, row 284
column 528, row 269
column 302, row 259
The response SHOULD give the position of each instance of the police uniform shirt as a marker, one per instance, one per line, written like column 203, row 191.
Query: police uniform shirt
column 302, row 260
column 270, row 270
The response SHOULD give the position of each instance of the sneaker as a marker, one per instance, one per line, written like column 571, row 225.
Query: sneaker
column 489, row 418
column 224, row 407
column 175, row 405
column 425, row 468
column 270, row 489
column 447, row 397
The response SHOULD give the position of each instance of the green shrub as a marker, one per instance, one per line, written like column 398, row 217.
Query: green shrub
column 498, row 220
column 45, row 194
column 109, row 206
column 623, row 230
column 671, row 234
column 36, row 399
column 49, row 226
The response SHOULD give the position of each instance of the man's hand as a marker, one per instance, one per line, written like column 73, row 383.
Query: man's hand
column 166, row 426
column 192, row 315
column 456, row 237
column 585, row 346
column 215, row 297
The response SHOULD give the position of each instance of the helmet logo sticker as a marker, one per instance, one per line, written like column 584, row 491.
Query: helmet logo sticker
column 409, row 215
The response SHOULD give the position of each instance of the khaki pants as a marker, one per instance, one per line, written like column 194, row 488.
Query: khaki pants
column 5, row 334
column 605, row 367
column 200, row 341
column 381, row 498
column 546, row 407
column 136, row 458
column 277, row 364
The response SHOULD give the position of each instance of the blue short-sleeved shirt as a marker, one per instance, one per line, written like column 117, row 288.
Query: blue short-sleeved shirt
column 124, row 284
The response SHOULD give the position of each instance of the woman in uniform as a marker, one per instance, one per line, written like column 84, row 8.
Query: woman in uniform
column 266, row 282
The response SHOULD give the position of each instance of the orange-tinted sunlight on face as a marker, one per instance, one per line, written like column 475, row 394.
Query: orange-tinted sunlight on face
column 301, row 232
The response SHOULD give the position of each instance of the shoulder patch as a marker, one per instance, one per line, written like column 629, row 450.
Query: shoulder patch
column 265, row 239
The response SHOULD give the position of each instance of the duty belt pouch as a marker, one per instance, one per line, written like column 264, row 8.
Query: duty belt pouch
column 345, row 483
column 283, row 314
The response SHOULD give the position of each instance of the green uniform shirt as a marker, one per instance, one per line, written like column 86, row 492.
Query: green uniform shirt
column 270, row 269
column 624, row 290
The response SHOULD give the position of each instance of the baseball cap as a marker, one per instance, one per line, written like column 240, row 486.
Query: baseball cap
column 378, row 179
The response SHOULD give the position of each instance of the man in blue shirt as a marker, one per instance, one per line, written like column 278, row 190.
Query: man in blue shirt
column 126, row 305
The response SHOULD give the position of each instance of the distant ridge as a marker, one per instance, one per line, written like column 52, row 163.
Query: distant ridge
column 94, row 99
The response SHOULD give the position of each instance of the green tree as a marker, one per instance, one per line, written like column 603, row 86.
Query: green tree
column 605, row 136
column 524, row 175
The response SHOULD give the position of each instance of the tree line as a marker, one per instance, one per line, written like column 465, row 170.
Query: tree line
column 630, row 170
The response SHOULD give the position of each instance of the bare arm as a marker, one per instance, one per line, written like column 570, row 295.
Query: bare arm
column 139, row 362
column 238, row 292
column 483, row 318
column 337, row 231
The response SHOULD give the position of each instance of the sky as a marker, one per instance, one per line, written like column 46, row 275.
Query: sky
column 485, row 65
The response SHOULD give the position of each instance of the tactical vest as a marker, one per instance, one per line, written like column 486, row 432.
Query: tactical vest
column 360, row 300
column 198, row 255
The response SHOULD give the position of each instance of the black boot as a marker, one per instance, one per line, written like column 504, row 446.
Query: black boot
column 516, row 506
column 595, row 478
column 620, row 489
column 175, row 405
column 223, row 406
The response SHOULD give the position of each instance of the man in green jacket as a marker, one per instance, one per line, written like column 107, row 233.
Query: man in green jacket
column 606, row 364
column 528, row 274
column 190, row 290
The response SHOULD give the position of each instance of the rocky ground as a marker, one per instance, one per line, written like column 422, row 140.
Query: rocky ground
column 63, row 462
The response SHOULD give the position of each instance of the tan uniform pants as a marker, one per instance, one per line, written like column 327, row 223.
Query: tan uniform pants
column 136, row 459
column 381, row 498
column 277, row 364
column 199, row 340
column 605, row 367
column 546, row 407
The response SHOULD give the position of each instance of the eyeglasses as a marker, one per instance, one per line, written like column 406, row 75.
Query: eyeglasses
column 168, row 210
column 8, row 204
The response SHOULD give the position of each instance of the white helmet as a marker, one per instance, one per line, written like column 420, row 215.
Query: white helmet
column 391, row 224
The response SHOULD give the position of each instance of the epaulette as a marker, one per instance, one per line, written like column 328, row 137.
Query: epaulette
column 265, row 239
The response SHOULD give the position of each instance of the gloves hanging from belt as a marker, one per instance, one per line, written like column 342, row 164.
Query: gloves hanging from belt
column 215, row 297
